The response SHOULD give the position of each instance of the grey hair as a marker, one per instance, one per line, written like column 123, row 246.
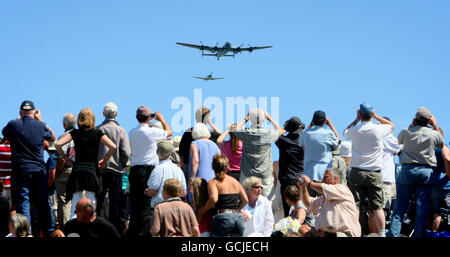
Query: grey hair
column 164, row 149
column 21, row 225
column 110, row 110
column 257, row 118
column 336, row 173
column 69, row 120
column 250, row 181
column 200, row 130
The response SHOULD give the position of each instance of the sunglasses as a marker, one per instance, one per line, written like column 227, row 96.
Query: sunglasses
column 256, row 187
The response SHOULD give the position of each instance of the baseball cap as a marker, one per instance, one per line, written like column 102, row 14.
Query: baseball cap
column 423, row 114
column 319, row 117
column 143, row 111
column 365, row 109
column 27, row 105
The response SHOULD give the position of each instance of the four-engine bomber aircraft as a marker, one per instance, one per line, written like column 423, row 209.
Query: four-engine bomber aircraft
column 222, row 51
column 209, row 77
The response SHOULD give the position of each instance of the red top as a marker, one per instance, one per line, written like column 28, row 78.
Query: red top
column 205, row 223
column 5, row 165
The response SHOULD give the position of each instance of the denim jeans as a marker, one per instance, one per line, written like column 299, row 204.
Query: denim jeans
column 412, row 179
column 227, row 224
column 31, row 186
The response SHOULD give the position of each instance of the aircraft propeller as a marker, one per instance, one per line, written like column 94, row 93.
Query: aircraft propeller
column 214, row 48
column 238, row 49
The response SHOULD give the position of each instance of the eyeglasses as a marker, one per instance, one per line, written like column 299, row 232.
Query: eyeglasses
column 256, row 187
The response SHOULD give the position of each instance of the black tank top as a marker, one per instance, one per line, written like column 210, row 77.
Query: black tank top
column 227, row 201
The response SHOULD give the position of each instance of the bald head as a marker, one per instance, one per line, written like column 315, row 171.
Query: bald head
column 85, row 210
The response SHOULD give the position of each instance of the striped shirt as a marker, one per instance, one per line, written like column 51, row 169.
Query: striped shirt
column 5, row 165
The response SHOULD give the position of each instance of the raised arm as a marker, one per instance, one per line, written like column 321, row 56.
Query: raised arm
column 304, row 191
column 160, row 117
column 383, row 120
column 38, row 116
column 221, row 138
column 358, row 118
column 242, row 122
column 434, row 124
column 275, row 124
column 213, row 126
column 328, row 122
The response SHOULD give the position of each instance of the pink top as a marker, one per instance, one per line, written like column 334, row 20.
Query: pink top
column 234, row 159
column 336, row 208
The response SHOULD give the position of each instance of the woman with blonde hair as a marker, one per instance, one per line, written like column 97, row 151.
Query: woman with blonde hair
column 227, row 197
column 19, row 226
column 85, row 174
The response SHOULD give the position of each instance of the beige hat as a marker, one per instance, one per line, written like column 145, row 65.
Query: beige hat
column 176, row 142
column 423, row 114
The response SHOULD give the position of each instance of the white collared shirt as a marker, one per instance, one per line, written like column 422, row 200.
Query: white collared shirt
column 261, row 221
column 143, row 141
column 367, row 144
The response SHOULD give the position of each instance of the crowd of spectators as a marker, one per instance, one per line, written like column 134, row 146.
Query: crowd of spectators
column 100, row 181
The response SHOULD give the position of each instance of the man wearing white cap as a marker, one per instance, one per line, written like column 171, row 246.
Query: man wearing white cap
column 417, row 159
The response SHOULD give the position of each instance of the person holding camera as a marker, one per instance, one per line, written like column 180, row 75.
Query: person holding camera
column 418, row 159
column 143, row 139
column 28, row 177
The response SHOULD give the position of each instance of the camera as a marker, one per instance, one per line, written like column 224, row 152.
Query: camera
column 301, row 179
column 153, row 115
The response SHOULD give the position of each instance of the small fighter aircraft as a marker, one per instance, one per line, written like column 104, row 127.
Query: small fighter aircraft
column 224, row 50
column 209, row 77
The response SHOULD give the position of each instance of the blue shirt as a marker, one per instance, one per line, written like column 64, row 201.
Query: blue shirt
column 206, row 151
column 51, row 164
column 317, row 143
column 164, row 171
column 26, row 136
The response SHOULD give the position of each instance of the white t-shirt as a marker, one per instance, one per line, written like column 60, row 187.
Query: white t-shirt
column 143, row 141
column 390, row 147
column 367, row 144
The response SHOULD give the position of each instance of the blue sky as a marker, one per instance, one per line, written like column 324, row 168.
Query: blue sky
column 328, row 55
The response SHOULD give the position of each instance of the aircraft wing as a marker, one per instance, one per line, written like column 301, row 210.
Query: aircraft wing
column 200, row 78
column 216, row 78
column 199, row 47
column 254, row 48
